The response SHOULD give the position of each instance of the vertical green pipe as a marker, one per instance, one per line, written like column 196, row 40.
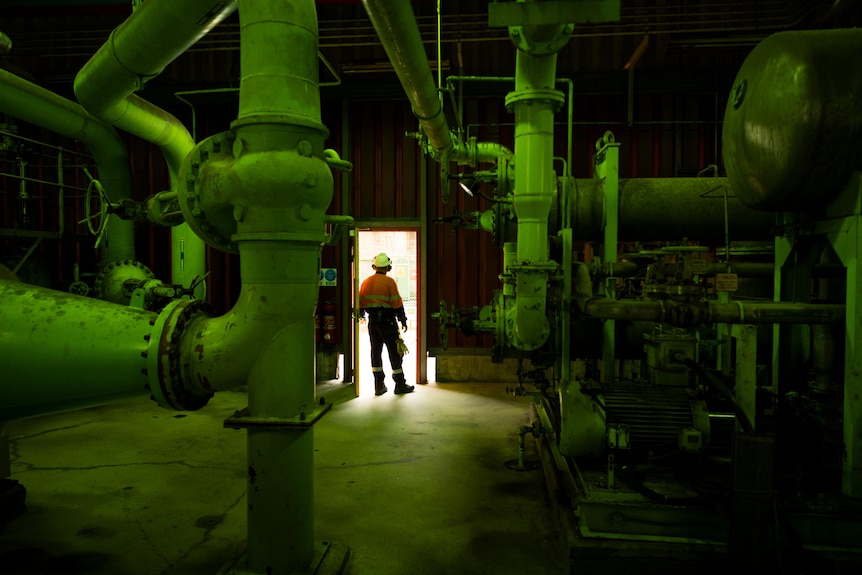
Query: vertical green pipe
column 33, row 104
column 288, row 186
column 534, row 101
column 608, row 171
column 61, row 351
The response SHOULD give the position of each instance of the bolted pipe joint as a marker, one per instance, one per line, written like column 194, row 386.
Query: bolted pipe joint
column 286, row 188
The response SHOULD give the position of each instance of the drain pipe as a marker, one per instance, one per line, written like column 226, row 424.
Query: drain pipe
column 33, row 104
column 534, row 102
column 138, row 50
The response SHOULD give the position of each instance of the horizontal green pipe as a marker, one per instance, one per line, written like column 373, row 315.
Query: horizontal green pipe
column 60, row 351
column 669, row 209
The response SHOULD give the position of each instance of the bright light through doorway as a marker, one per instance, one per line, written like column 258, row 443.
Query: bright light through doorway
column 402, row 248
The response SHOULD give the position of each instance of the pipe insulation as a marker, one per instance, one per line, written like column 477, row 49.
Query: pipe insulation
column 61, row 351
column 33, row 104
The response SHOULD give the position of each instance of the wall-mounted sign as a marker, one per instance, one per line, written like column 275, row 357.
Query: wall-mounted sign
column 328, row 277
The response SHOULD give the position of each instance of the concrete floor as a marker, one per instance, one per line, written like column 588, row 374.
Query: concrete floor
column 410, row 484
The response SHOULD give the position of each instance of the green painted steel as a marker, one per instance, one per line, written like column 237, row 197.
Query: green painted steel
column 139, row 49
column 33, row 104
column 61, row 351
column 534, row 102
column 607, row 164
column 280, row 185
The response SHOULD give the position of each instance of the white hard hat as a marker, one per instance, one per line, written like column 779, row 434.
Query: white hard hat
column 382, row 261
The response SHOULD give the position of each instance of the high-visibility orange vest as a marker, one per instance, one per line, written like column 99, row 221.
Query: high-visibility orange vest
column 378, row 291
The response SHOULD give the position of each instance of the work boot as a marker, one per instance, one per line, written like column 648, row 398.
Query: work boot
column 401, row 385
column 379, row 387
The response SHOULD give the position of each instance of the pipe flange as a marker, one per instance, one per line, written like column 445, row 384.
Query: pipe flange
column 164, row 359
column 202, row 193
column 546, row 96
column 109, row 284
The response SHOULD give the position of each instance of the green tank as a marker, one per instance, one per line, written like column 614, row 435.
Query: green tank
column 792, row 133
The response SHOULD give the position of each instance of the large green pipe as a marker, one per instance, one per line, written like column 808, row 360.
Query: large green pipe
column 670, row 209
column 138, row 50
column 61, row 351
column 33, row 104
column 534, row 102
column 276, row 178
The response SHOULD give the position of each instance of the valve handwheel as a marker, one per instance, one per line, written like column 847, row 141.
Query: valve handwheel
column 103, row 204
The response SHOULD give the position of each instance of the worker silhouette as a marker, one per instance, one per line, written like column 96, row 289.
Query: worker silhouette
column 380, row 300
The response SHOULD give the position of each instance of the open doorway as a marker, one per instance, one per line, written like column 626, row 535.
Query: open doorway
column 402, row 247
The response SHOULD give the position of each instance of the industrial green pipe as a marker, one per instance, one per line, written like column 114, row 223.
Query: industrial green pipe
column 279, row 185
column 138, row 50
column 398, row 31
column 534, row 102
column 283, row 174
column 696, row 313
column 33, row 104
column 669, row 209
column 61, row 351
column 5, row 43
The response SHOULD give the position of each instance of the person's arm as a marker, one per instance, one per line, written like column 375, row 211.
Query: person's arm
column 398, row 305
column 402, row 316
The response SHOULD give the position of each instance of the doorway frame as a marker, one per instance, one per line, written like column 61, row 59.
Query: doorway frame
column 395, row 225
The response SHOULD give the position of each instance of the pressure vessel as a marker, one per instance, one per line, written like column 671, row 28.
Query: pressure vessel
column 792, row 133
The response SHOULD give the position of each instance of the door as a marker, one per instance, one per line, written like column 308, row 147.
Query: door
column 402, row 247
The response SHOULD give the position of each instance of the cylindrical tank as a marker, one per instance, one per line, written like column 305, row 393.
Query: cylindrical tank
column 792, row 132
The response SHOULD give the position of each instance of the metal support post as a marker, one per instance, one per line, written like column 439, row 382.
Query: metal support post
column 607, row 161
column 746, row 368
column 845, row 235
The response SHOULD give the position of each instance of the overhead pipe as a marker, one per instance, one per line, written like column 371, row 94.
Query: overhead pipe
column 97, row 350
column 398, row 31
column 35, row 105
column 136, row 51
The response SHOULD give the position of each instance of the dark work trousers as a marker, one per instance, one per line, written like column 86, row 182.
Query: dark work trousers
column 383, row 329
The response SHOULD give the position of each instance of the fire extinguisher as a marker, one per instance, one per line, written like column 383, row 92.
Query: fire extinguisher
column 328, row 322
column 318, row 334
